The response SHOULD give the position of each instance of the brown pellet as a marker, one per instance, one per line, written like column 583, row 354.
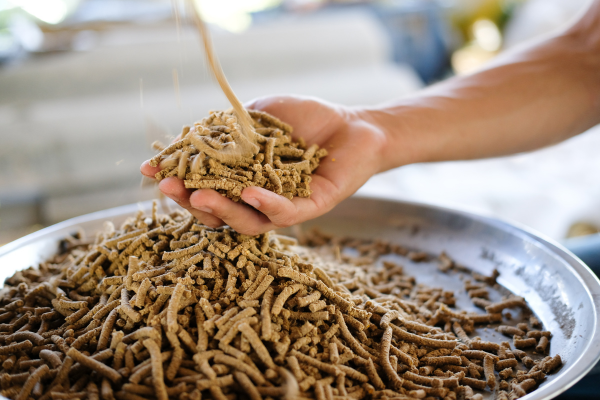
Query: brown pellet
column 551, row 364
column 157, row 369
column 524, row 343
column 510, row 330
column 510, row 303
column 97, row 366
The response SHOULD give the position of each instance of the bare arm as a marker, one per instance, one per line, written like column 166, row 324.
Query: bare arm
column 529, row 97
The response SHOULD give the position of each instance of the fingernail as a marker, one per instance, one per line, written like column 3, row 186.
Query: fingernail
column 172, row 197
column 253, row 202
column 205, row 209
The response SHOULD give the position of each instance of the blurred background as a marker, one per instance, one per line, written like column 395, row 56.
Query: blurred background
column 87, row 85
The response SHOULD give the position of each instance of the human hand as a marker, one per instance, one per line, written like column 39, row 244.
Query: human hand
column 356, row 148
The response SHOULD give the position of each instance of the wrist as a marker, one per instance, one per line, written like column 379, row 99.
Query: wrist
column 397, row 125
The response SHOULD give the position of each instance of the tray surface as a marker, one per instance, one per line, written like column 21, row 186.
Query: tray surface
column 560, row 289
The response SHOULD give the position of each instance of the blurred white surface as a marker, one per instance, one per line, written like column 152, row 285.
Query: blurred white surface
column 119, row 57
column 536, row 18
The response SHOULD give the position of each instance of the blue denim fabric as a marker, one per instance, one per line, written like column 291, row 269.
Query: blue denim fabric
column 588, row 250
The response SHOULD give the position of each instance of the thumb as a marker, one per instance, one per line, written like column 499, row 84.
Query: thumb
column 267, row 103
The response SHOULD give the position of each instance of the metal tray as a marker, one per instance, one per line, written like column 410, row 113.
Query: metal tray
column 560, row 289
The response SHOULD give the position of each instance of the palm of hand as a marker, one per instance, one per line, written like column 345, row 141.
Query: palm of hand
column 354, row 148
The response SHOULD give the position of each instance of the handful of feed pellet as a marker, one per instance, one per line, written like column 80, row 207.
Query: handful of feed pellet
column 215, row 154
column 167, row 308
column 234, row 149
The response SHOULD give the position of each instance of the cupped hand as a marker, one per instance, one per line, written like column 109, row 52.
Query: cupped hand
column 356, row 149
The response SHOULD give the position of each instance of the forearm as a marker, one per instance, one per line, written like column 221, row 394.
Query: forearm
column 532, row 97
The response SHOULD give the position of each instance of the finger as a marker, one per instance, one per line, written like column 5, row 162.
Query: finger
column 149, row 171
column 310, row 117
column 240, row 217
column 278, row 209
column 283, row 212
column 175, row 190
column 274, row 104
column 283, row 107
column 205, row 218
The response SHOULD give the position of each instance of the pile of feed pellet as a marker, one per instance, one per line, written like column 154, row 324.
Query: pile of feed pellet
column 215, row 154
column 166, row 308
